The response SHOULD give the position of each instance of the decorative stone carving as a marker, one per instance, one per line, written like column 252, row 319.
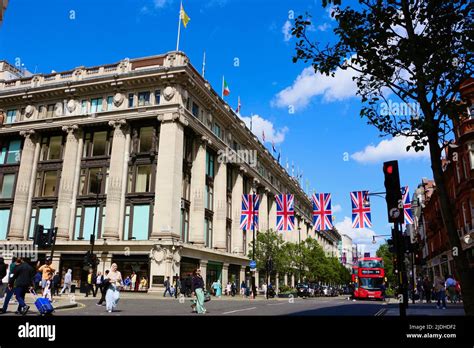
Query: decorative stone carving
column 29, row 110
column 168, row 93
column 71, row 105
column 117, row 124
column 160, row 254
column 58, row 109
column 118, row 99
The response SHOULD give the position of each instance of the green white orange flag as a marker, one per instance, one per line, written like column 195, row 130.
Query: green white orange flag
column 225, row 88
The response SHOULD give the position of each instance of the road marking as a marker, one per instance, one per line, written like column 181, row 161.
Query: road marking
column 275, row 304
column 240, row 310
column 380, row 312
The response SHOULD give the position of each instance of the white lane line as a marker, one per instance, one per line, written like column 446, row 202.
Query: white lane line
column 275, row 304
column 240, row 310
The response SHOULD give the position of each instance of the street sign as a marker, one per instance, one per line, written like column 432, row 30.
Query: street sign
column 253, row 264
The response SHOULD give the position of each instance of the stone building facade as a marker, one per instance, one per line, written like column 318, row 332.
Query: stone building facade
column 136, row 146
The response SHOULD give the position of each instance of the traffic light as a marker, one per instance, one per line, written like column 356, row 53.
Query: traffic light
column 90, row 260
column 393, row 194
column 391, row 246
column 38, row 238
column 44, row 237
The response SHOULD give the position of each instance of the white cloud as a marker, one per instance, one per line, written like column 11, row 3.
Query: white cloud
column 336, row 208
column 260, row 125
column 360, row 236
column 309, row 84
column 161, row 3
column 391, row 149
column 286, row 30
column 324, row 27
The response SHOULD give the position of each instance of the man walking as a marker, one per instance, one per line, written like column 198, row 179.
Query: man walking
column 427, row 289
column 3, row 274
column 21, row 281
column 47, row 270
column 167, row 285
column 103, row 288
column 90, row 283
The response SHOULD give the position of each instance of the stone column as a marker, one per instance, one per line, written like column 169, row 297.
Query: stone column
column 263, row 211
column 56, row 260
column 106, row 263
column 237, row 233
column 169, row 176
column 292, row 280
column 114, row 189
column 242, row 275
column 24, row 187
column 203, row 267
column 272, row 212
column 66, row 205
column 77, row 175
column 225, row 276
column 220, row 207
column 198, row 190
column 124, row 186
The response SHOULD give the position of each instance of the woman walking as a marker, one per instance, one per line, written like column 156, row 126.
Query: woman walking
column 67, row 282
column 198, row 290
column 115, row 282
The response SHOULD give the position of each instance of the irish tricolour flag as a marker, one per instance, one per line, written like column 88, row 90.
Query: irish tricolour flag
column 225, row 87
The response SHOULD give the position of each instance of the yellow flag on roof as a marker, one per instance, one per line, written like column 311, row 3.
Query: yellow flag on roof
column 184, row 16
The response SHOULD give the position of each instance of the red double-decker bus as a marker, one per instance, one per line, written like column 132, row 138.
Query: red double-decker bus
column 369, row 279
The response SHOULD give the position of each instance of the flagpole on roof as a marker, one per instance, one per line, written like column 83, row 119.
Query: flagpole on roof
column 222, row 91
column 179, row 26
column 204, row 64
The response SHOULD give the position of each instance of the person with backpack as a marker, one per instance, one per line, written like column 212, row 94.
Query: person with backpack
column 20, row 282
column 103, row 288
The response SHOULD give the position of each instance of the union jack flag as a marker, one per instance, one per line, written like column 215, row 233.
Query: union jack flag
column 249, row 217
column 407, row 206
column 285, row 212
column 360, row 209
column 322, row 213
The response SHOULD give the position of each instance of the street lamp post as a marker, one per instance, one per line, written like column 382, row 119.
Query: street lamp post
column 299, row 251
column 254, row 290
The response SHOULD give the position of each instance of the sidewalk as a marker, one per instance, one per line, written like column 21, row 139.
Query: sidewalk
column 62, row 302
column 425, row 309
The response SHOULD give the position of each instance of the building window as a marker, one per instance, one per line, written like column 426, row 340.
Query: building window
column 143, row 178
column 51, row 148
column 471, row 154
column 208, row 232
column 210, row 164
column 228, row 233
column 137, row 222
column 41, row 216
column 10, row 152
column 195, row 110
column 229, row 206
column 96, row 105
column 11, row 116
column 89, row 182
column 7, row 184
column 186, row 186
column 110, row 103
column 146, row 139
column 130, row 100
column 4, row 223
column 84, row 226
column 50, row 111
column 46, row 183
column 217, row 130
column 143, row 98
column 97, row 144
column 84, row 107
column 157, row 97
column 185, row 225
column 209, row 197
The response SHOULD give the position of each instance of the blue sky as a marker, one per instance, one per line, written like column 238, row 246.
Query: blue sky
column 248, row 42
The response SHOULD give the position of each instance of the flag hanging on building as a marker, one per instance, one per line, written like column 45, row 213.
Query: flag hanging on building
column 273, row 148
column 322, row 213
column 184, row 16
column 225, row 88
column 285, row 212
column 249, row 217
column 407, row 206
column 237, row 110
column 263, row 136
column 360, row 209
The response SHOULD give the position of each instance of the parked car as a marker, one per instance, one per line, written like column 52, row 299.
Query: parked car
column 303, row 290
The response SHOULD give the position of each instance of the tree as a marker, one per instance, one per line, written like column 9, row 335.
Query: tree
column 267, row 244
column 387, row 258
column 417, row 53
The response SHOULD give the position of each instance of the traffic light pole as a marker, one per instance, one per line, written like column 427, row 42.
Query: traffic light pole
column 402, row 289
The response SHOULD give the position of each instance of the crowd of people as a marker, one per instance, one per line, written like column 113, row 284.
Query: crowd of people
column 439, row 290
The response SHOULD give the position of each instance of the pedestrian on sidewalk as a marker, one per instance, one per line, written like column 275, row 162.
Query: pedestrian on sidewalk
column 90, row 283
column 143, row 283
column 133, row 280
column 419, row 289
column 427, row 289
column 67, row 282
column 451, row 287
column 3, row 277
column 243, row 288
column 198, row 291
column 112, row 296
column 177, row 286
column 440, row 292
column 98, row 282
column 56, row 284
column 228, row 289
column 167, row 285
column 47, row 289
column 217, row 288
column 103, row 288
column 46, row 270
column 20, row 282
